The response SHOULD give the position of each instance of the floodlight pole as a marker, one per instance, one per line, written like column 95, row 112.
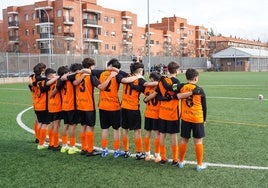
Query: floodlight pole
column 148, row 37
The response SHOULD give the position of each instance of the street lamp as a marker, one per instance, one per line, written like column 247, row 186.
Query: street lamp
column 49, row 32
column 167, row 31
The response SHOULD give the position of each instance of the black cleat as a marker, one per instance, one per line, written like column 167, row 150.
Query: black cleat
column 93, row 153
column 126, row 154
column 58, row 148
column 140, row 156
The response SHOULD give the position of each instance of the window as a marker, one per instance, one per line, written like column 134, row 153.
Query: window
column 105, row 19
column 58, row 13
column 113, row 34
column 106, row 46
column 112, row 20
column 27, row 32
column 106, row 33
column 26, row 17
column 114, row 47
column 33, row 16
column 59, row 29
column 33, row 31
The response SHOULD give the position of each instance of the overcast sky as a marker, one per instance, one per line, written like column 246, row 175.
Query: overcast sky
column 247, row 19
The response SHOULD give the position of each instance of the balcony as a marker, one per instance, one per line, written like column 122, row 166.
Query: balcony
column 183, row 35
column 127, row 27
column 127, row 41
column 92, row 38
column 68, row 20
column 13, row 39
column 13, row 25
column 68, row 36
column 91, row 23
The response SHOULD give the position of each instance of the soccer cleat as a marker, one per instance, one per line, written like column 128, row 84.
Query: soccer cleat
column 64, row 149
column 174, row 163
column 157, row 159
column 58, row 148
column 73, row 150
column 147, row 158
column 118, row 153
column 93, row 153
column 181, row 164
column 162, row 162
column 104, row 152
column 126, row 154
column 202, row 167
column 41, row 147
column 36, row 140
column 50, row 147
column 140, row 156
column 83, row 152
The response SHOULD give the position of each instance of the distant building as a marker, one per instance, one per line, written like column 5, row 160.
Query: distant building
column 75, row 27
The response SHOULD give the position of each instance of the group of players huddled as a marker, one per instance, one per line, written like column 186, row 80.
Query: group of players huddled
column 68, row 94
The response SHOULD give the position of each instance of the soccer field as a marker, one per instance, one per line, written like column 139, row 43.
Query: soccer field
column 235, row 145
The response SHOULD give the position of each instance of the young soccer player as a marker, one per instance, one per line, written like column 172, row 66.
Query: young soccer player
column 193, row 118
column 109, row 107
column 38, row 69
column 85, row 84
column 151, row 120
column 131, row 117
column 167, row 92
column 69, row 111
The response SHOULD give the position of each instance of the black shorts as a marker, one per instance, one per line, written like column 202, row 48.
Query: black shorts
column 131, row 119
column 110, row 118
column 170, row 127
column 151, row 124
column 55, row 116
column 187, row 127
column 43, row 117
column 87, row 117
column 70, row 117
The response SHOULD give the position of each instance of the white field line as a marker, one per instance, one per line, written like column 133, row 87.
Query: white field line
column 22, row 125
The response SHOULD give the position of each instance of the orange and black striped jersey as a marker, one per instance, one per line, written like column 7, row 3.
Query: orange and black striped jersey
column 152, row 106
column 169, row 105
column 54, row 103
column 131, row 94
column 67, row 91
column 108, row 99
column 85, row 92
column 41, row 100
column 193, row 107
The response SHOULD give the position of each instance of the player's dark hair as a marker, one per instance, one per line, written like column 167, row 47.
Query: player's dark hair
column 191, row 74
column 135, row 66
column 49, row 71
column 114, row 62
column 75, row 67
column 62, row 70
column 88, row 62
column 173, row 67
column 155, row 75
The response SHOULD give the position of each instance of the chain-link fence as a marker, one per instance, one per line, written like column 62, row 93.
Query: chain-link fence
column 21, row 65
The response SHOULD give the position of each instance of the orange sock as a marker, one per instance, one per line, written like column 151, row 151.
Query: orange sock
column 138, row 144
column 51, row 138
column 156, row 145
column 83, row 141
column 116, row 145
column 49, row 132
column 199, row 153
column 163, row 152
column 174, row 149
column 125, row 143
column 64, row 139
column 90, row 141
column 56, row 139
column 43, row 134
column 182, row 151
column 38, row 132
column 147, row 144
column 72, row 141
column 36, row 129
column 104, row 143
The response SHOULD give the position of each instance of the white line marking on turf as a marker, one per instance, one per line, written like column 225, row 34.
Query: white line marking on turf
column 22, row 125
column 236, row 98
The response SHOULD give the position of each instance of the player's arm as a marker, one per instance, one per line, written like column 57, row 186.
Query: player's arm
column 80, row 78
column 103, row 85
column 52, row 80
column 150, row 97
